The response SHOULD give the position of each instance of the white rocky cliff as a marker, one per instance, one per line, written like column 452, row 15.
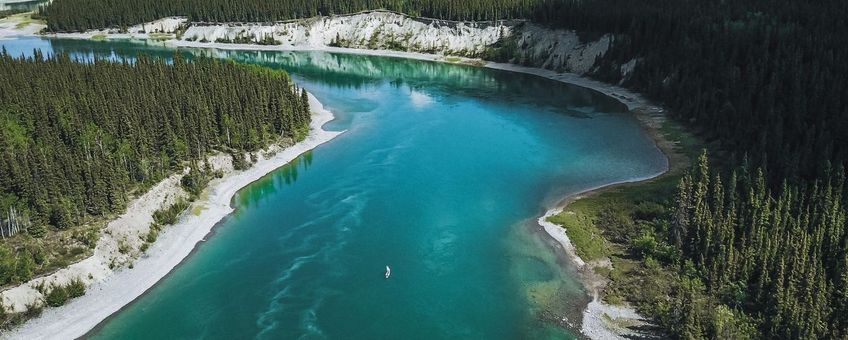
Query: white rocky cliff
column 559, row 50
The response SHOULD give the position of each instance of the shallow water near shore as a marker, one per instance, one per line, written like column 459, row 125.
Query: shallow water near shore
column 441, row 174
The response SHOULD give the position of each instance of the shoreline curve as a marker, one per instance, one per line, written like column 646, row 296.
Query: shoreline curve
column 592, row 325
column 103, row 299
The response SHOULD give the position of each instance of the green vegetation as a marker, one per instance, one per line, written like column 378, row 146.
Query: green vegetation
column 20, row 18
column 721, row 261
column 80, row 138
column 24, row 256
column 588, row 240
column 59, row 295
column 702, row 258
column 757, row 252
column 695, row 57
column 195, row 181
column 744, row 75
column 9, row 12
column 780, row 256
column 75, row 288
column 731, row 252
column 621, row 222
column 81, row 15
column 169, row 215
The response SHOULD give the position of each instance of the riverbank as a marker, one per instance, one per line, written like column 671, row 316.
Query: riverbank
column 600, row 319
column 649, row 115
column 577, row 214
column 603, row 320
column 20, row 25
column 175, row 243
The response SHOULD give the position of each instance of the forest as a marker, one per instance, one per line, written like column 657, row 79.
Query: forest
column 81, row 15
column 762, row 78
column 756, row 245
column 775, row 259
column 80, row 139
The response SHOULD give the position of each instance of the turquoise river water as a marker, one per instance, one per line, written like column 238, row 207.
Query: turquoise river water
column 441, row 175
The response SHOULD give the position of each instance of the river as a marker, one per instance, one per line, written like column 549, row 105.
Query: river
column 440, row 175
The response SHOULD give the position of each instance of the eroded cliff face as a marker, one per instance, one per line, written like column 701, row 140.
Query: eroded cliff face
column 519, row 42
column 374, row 30
column 557, row 49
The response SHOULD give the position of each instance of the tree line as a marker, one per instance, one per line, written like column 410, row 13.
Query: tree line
column 80, row 15
column 77, row 138
column 759, row 245
column 775, row 261
column 762, row 82
column 764, row 78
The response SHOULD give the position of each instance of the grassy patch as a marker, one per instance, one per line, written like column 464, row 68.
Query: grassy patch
column 585, row 236
column 621, row 223
column 27, row 256
column 598, row 224
column 98, row 37
column 197, row 209
column 23, row 20
column 21, row 24
column 169, row 215
column 685, row 142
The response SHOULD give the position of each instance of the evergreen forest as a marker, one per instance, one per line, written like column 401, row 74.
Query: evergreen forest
column 81, row 15
column 754, row 246
column 79, row 139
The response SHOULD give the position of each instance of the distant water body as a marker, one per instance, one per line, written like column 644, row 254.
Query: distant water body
column 24, row 5
column 440, row 175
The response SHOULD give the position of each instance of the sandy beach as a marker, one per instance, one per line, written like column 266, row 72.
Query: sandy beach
column 175, row 243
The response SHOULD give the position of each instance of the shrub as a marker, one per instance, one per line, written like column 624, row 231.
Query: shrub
column 39, row 255
column 239, row 162
column 649, row 210
column 57, row 296
column 194, row 181
column 75, row 251
column 7, row 265
column 33, row 310
column 24, row 266
column 644, row 246
column 60, row 216
column 151, row 235
column 75, row 288
column 123, row 247
column 37, row 230
column 169, row 215
column 87, row 236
